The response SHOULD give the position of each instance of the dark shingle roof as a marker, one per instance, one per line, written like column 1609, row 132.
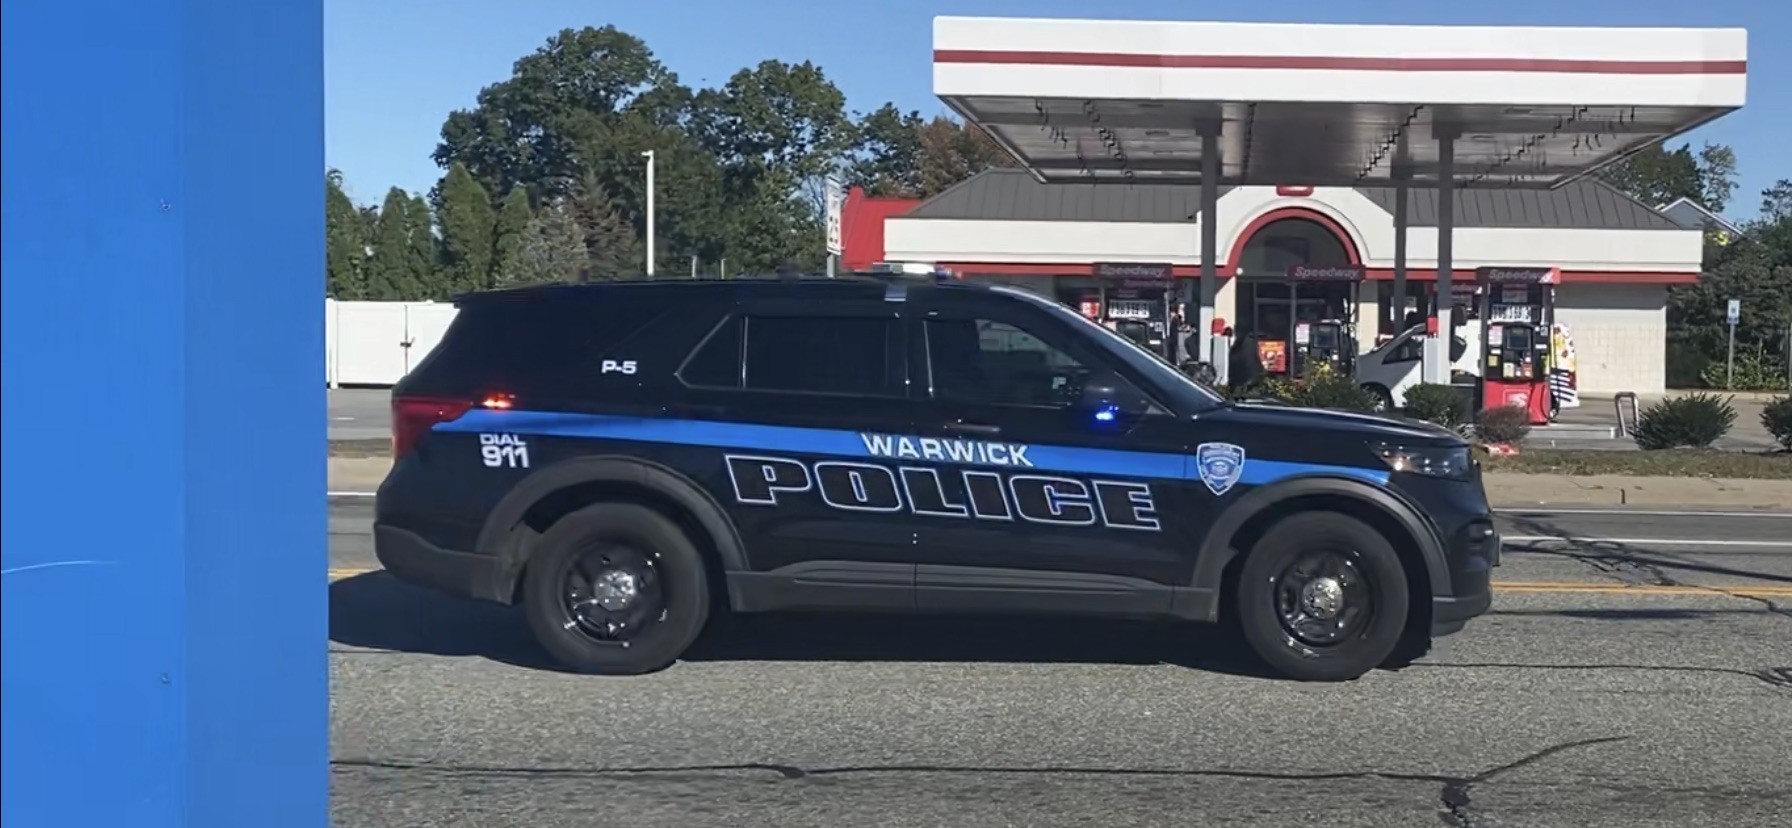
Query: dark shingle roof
column 1014, row 195
column 1586, row 204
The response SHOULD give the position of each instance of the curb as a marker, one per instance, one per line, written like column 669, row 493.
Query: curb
column 1505, row 490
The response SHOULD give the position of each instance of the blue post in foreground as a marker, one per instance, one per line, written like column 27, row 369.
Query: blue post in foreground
column 165, row 609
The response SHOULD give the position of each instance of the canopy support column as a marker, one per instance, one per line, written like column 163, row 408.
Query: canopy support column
column 1437, row 348
column 1402, row 178
column 1210, row 281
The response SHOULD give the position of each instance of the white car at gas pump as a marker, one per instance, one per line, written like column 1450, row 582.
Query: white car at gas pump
column 1506, row 348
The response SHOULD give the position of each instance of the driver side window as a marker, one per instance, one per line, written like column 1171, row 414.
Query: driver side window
column 1409, row 351
column 988, row 362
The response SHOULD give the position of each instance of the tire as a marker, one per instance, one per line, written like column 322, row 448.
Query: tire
column 672, row 598
column 1382, row 398
column 1378, row 585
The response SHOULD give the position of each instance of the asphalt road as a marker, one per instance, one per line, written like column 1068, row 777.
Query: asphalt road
column 360, row 413
column 1624, row 678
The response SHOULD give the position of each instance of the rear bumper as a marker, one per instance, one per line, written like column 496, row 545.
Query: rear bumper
column 414, row 560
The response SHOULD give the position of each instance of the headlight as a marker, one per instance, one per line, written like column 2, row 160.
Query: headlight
column 1453, row 463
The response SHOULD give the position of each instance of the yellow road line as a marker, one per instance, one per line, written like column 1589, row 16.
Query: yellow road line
column 1563, row 587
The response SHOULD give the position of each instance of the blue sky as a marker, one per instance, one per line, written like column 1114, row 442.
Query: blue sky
column 395, row 68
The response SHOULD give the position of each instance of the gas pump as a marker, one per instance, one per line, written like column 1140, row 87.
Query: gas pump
column 1517, row 316
column 1325, row 333
column 1137, row 302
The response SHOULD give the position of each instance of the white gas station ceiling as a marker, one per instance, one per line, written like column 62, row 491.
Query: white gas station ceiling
column 1333, row 144
column 1329, row 105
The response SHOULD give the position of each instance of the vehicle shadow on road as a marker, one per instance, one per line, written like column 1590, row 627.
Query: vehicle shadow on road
column 376, row 612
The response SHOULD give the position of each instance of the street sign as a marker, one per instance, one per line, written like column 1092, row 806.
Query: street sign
column 1735, row 311
column 836, row 201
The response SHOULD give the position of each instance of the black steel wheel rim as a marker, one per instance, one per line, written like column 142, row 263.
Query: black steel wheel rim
column 1324, row 598
column 612, row 593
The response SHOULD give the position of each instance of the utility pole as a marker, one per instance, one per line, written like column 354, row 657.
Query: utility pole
column 1734, row 316
column 649, row 156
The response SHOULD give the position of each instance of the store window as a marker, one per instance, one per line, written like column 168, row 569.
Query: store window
column 1267, row 307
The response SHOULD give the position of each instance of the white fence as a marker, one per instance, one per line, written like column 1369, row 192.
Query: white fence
column 377, row 343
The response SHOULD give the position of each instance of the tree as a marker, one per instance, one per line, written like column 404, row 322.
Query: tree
column 508, row 229
column 902, row 155
column 776, row 131
column 886, row 158
column 775, row 119
column 345, row 242
column 552, row 249
column 425, row 269
column 1776, row 203
column 1658, row 177
column 525, row 130
column 1717, row 176
column 390, row 275
column 952, row 152
column 611, row 246
column 1756, row 269
column 590, row 102
column 464, row 213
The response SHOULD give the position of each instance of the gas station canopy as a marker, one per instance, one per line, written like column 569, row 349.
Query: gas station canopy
column 1330, row 105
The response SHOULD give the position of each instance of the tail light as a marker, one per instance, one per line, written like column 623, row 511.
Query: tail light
column 412, row 417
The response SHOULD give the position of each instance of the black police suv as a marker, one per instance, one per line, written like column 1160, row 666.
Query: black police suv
column 628, row 459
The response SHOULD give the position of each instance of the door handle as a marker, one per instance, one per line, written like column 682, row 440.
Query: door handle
column 974, row 428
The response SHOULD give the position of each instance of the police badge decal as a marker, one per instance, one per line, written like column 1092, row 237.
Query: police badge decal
column 1220, row 465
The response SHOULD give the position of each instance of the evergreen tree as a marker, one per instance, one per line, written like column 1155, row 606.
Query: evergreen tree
column 391, row 276
column 611, row 245
column 425, row 271
column 508, row 229
column 552, row 250
column 345, row 242
column 464, row 212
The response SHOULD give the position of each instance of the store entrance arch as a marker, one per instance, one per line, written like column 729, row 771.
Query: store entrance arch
column 1266, row 307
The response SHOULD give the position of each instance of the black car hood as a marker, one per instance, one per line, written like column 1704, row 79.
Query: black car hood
column 1320, row 420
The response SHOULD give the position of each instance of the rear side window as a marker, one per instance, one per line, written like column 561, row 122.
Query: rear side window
column 799, row 354
column 532, row 346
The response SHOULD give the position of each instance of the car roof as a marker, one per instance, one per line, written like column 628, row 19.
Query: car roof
column 678, row 289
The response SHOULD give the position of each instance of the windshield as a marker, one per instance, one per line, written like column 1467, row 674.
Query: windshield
column 1158, row 370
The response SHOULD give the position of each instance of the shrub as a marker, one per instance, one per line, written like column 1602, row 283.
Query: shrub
column 1777, row 419
column 1503, row 424
column 1753, row 373
column 1694, row 421
column 1334, row 391
column 1264, row 388
column 1437, row 403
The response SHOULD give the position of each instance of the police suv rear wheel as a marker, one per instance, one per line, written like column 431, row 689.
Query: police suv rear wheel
column 615, row 589
column 1322, row 597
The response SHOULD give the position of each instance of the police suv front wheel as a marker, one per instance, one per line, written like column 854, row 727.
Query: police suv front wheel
column 1322, row 597
column 615, row 589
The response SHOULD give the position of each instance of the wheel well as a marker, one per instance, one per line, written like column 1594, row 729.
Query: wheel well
column 1418, row 579
column 562, row 502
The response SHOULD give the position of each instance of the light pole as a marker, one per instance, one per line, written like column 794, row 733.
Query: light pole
column 649, row 156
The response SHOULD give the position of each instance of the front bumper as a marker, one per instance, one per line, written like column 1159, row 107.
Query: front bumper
column 1473, row 551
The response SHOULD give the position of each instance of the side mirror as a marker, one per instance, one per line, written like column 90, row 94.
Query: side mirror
column 1106, row 395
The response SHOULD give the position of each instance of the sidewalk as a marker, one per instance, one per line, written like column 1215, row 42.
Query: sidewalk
column 363, row 474
column 1509, row 490
column 1593, row 425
